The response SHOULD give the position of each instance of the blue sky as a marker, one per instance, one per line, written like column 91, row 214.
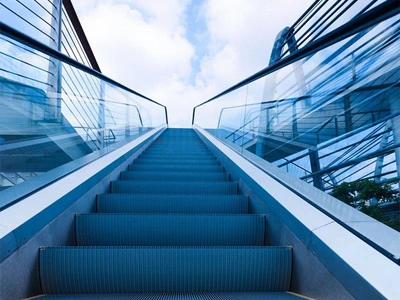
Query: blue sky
column 182, row 52
column 196, row 33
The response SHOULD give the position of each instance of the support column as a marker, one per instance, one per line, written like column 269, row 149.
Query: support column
column 382, row 145
column 348, row 122
column 264, row 120
column 315, row 168
column 101, row 116
column 127, row 120
column 284, row 37
column 294, row 121
column 395, row 109
column 53, row 108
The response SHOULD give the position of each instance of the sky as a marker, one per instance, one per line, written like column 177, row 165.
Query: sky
column 183, row 52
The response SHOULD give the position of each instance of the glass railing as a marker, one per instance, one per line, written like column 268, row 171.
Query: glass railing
column 328, row 114
column 55, row 111
column 38, row 19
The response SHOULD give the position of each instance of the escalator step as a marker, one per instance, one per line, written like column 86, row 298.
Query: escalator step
column 174, row 176
column 176, row 187
column 143, row 203
column 175, row 168
column 181, row 296
column 204, row 156
column 80, row 270
column 169, row 230
column 177, row 161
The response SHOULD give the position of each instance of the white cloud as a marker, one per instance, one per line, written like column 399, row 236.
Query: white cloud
column 138, row 52
column 145, row 45
column 247, row 28
column 167, row 15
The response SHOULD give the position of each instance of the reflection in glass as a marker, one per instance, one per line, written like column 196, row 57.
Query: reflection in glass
column 52, row 113
column 329, row 119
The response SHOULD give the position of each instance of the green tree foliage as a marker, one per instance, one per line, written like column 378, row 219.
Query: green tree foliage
column 367, row 196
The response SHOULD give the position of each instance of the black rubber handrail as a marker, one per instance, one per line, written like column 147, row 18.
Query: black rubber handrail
column 31, row 42
column 370, row 18
column 69, row 8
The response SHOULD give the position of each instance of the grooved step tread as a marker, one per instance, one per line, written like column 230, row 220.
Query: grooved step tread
column 183, row 152
column 182, row 161
column 166, row 148
column 169, row 230
column 176, row 187
column 177, row 168
column 79, row 270
column 205, row 156
column 180, row 296
column 174, row 176
column 144, row 203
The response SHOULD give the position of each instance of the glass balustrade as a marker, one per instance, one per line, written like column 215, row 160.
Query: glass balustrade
column 54, row 110
column 38, row 19
column 331, row 118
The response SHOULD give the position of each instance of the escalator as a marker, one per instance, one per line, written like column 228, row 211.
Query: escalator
column 174, row 226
